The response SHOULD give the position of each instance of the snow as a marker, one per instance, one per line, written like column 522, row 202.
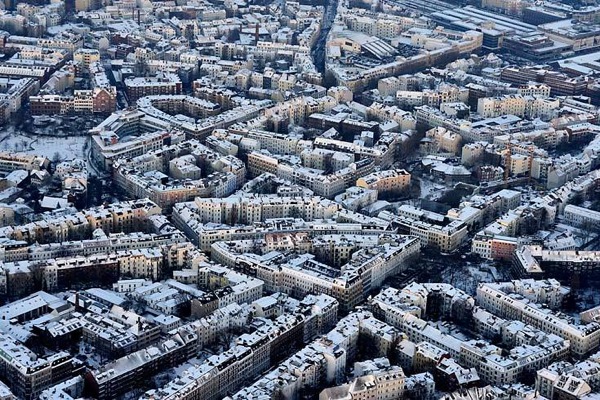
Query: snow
column 467, row 276
column 163, row 378
column 430, row 190
column 68, row 147
column 106, row 295
column 91, row 356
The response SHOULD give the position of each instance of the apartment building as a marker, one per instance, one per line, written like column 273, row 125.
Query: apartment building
column 584, row 338
column 387, row 183
column 13, row 161
column 581, row 217
column 161, row 84
column 27, row 374
column 106, row 147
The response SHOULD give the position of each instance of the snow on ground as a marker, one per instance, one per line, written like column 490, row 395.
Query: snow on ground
column 430, row 190
column 588, row 298
column 88, row 354
column 585, row 299
column 469, row 275
column 67, row 147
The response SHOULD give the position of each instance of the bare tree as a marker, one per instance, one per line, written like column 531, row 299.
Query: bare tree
column 56, row 158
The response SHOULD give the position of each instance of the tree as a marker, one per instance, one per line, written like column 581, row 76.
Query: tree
column 295, row 212
column 577, row 199
column 56, row 158
column 329, row 80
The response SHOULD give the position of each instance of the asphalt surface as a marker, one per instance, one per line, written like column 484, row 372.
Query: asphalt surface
column 318, row 52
